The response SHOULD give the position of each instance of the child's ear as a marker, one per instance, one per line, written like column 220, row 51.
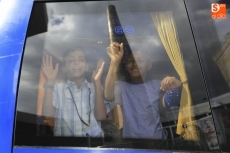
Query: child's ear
column 149, row 66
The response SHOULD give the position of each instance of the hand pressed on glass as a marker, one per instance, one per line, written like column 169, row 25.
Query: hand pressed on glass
column 98, row 72
column 169, row 83
column 75, row 96
column 115, row 52
column 48, row 70
column 137, row 94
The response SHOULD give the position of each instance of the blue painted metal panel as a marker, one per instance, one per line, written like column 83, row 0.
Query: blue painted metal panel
column 14, row 17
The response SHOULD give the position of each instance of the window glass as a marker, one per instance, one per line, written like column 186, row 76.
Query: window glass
column 113, row 75
column 212, row 35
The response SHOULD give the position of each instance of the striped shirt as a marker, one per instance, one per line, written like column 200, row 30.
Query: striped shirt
column 139, row 104
column 73, row 107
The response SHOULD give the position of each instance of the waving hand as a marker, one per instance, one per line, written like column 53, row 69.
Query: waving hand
column 48, row 70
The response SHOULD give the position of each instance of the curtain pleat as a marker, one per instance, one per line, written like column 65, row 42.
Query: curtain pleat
column 166, row 28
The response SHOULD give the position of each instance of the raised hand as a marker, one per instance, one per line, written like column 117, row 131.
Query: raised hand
column 169, row 83
column 115, row 52
column 98, row 72
column 48, row 70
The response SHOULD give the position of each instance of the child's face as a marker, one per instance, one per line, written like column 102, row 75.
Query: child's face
column 137, row 65
column 76, row 65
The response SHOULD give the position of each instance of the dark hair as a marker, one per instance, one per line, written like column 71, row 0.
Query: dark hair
column 73, row 49
column 122, row 72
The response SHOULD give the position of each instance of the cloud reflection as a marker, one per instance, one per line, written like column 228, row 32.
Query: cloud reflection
column 85, row 23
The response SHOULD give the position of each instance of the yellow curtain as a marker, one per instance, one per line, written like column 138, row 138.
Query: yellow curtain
column 167, row 31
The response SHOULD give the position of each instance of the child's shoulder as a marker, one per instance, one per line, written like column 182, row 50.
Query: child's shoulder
column 121, row 82
column 154, row 84
column 89, row 85
column 154, row 81
column 60, row 85
column 67, row 82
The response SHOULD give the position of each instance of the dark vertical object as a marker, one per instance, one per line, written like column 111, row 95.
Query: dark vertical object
column 113, row 25
column 116, row 34
column 38, row 20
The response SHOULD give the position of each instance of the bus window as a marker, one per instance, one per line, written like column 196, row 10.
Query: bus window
column 116, row 74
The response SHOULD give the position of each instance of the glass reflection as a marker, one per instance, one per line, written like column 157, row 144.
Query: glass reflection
column 130, row 98
column 137, row 95
column 213, row 50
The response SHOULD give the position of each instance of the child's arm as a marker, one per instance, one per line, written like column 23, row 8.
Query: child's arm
column 99, row 109
column 170, row 85
column 115, row 52
column 50, row 74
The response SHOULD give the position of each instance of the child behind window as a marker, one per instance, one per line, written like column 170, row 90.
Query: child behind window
column 72, row 105
column 137, row 95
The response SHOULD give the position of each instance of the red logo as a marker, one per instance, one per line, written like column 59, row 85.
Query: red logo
column 218, row 11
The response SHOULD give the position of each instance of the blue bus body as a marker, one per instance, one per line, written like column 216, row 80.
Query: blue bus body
column 14, row 20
